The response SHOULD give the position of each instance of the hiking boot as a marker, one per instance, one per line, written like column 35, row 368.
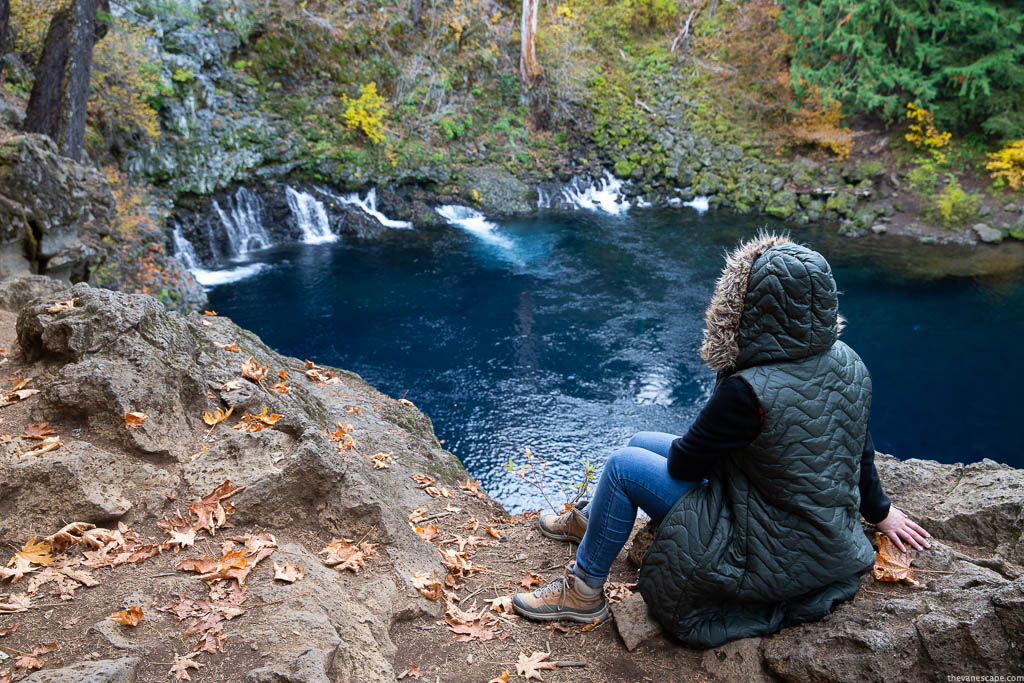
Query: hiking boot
column 566, row 598
column 569, row 526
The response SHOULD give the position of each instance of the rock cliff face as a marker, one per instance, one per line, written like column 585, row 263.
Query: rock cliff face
column 103, row 354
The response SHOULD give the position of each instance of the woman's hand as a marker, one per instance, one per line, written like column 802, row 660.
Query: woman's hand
column 898, row 527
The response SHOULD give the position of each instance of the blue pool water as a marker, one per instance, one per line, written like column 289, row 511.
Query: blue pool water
column 565, row 333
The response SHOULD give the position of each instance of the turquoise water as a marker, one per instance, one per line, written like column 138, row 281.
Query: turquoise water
column 566, row 333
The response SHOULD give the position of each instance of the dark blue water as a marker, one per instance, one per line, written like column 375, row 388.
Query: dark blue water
column 567, row 333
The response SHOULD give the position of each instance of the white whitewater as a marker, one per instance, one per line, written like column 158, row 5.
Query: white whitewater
column 700, row 203
column 472, row 221
column 368, row 205
column 543, row 198
column 311, row 217
column 186, row 253
column 604, row 195
column 243, row 222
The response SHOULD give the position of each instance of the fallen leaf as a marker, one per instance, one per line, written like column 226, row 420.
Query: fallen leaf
column 217, row 416
column 427, row 533
column 232, row 347
column 288, row 572
column 618, row 590
column 531, row 580
column 38, row 431
column 248, row 424
column 212, row 314
column 280, row 388
column 472, row 487
column 33, row 660
column 496, row 533
column 892, row 565
column 196, row 455
column 267, row 419
column 233, row 565
column 253, row 371
column 406, row 402
column 343, row 554
column 134, row 419
column 414, row 671
column 36, row 553
column 128, row 617
column 352, row 409
column 423, row 480
column 21, row 568
column 183, row 664
column 478, row 629
column 9, row 630
column 211, row 511
column 418, row 515
column 503, row 678
column 16, row 603
column 380, row 461
column 429, row 586
column 22, row 394
column 232, row 385
column 283, row 374
column 530, row 667
column 49, row 443
column 62, row 306
column 502, row 603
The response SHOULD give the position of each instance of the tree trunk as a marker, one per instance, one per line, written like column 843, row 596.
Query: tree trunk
column 60, row 90
column 416, row 7
column 528, row 69
column 5, row 15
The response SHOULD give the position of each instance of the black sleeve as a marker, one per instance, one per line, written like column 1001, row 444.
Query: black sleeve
column 729, row 421
column 874, row 504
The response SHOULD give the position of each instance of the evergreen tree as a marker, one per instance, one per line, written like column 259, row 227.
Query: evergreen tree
column 961, row 59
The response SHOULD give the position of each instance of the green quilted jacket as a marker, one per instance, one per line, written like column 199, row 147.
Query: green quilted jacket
column 773, row 538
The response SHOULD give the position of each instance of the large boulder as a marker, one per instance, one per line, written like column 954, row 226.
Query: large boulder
column 496, row 191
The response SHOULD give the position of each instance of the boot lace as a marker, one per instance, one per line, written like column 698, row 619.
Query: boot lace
column 559, row 585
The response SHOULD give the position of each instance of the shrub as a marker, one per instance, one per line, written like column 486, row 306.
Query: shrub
column 923, row 133
column 1008, row 164
column 955, row 206
column 817, row 123
column 367, row 112
column 925, row 177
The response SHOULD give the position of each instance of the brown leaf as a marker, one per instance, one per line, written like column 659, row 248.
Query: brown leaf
column 134, row 419
column 892, row 565
column 618, row 590
column 288, row 572
column 418, row 515
column 472, row 487
column 342, row 554
column 212, row 314
column 503, row 678
column 217, row 416
column 267, row 419
column 49, row 443
column 406, row 402
column 183, row 664
column 21, row 567
column 380, row 461
column 478, row 629
column 233, row 385
column 211, row 511
column 62, row 306
column 70, row 534
column 531, row 580
column 232, row 347
column 280, row 388
column 22, row 394
column 38, row 431
column 427, row 533
column 429, row 587
column 16, row 603
column 232, row 565
column 529, row 667
column 33, row 660
column 414, row 671
column 128, row 617
column 36, row 553
column 493, row 532
column 501, row 604
column 423, row 481
column 252, row 370
column 352, row 409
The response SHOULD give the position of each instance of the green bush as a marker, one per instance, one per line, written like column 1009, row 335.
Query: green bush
column 955, row 207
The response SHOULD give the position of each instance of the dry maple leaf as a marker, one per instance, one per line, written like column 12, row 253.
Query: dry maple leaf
column 33, row 660
column 232, row 347
column 503, row 678
column 530, row 667
column 892, row 565
column 257, row 546
column 49, row 443
column 69, row 534
column 496, row 533
column 212, row 314
column 134, row 419
column 267, row 419
column 22, row 394
column 501, row 603
column 618, row 590
column 478, row 629
column 531, row 580
column 38, row 431
column 343, row 554
column 352, row 409
column 183, row 664
column 406, row 402
column 36, row 553
column 233, row 385
column 288, row 572
column 380, row 461
column 211, row 511
column 413, row 671
column 233, row 565
column 472, row 487
column 21, row 567
column 429, row 587
column 254, row 371
column 248, row 424
column 128, row 617
column 427, row 533
column 280, row 388
column 62, row 306
column 217, row 416
column 16, row 603
column 418, row 515
column 423, row 480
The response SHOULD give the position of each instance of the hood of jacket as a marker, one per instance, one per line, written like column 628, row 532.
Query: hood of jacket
column 774, row 301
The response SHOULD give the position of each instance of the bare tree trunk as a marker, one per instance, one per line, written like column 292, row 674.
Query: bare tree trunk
column 60, row 90
column 5, row 15
column 416, row 7
column 528, row 69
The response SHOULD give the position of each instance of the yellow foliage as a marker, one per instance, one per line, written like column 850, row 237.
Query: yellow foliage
column 818, row 124
column 131, row 202
column 923, row 133
column 31, row 18
column 367, row 112
column 1008, row 164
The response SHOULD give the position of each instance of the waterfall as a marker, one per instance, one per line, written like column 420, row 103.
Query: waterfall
column 310, row 216
column 543, row 198
column 368, row 205
column 700, row 203
column 243, row 223
column 604, row 195
column 472, row 221
column 186, row 253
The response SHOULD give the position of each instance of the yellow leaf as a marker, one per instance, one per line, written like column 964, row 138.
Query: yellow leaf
column 36, row 553
column 217, row 416
column 134, row 419
column 129, row 617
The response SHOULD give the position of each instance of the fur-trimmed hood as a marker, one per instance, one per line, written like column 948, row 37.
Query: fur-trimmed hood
column 775, row 300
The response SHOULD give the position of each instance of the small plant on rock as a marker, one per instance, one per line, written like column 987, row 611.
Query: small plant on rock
column 367, row 112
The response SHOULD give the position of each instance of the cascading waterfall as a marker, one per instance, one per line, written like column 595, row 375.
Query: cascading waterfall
column 367, row 205
column 604, row 195
column 543, row 198
column 472, row 221
column 186, row 253
column 311, row 217
column 243, row 223
column 700, row 203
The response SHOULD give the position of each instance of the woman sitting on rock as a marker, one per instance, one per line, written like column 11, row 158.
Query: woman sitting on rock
column 759, row 503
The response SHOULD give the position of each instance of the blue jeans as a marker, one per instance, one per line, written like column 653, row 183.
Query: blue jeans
column 636, row 475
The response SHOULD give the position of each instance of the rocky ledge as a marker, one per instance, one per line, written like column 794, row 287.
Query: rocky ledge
column 310, row 455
